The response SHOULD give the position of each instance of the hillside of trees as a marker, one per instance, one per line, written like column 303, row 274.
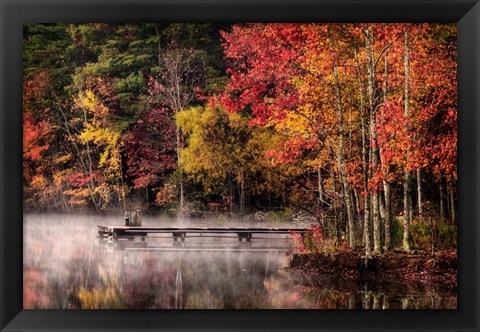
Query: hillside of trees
column 353, row 124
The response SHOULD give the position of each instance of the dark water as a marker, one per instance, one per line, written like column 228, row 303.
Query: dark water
column 66, row 266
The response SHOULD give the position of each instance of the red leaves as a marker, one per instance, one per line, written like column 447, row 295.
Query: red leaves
column 37, row 130
column 36, row 138
column 262, row 58
column 331, row 95
column 315, row 240
column 166, row 195
column 283, row 75
column 151, row 142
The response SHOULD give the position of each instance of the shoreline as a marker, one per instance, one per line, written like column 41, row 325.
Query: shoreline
column 413, row 272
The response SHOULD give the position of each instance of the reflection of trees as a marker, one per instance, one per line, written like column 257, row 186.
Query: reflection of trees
column 238, row 280
column 34, row 290
column 335, row 299
column 153, row 280
column 150, row 283
column 105, row 291
column 328, row 292
column 74, row 273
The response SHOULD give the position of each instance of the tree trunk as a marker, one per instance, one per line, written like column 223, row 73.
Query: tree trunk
column 386, row 302
column 405, row 303
column 367, row 227
column 381, row 205
column 406, row 211
column 377, row 245
column 406, row 178
column 91, row 184
column 340, row 161
column 242, row 196
column 180, row 76
column 373, row 137
column 447, row 199
column 366, row 203
column 122, row 188
column 388, row 217
column 357, row 201
column 231, row 192
column 182, row 197
column 86, row 166
column 368, row 212
column 410, row 202
column 334, row 202
column 320, row 186
column 367, row 299
column 442, row 208
column 419, row 192
column 376, row 301
column 453, row 213
column 386, row 170
column 62, row 195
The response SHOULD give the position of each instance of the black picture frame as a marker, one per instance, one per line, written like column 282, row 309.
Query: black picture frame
column 14, row 13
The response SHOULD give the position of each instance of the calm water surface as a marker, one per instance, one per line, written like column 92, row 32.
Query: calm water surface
column 67, row 267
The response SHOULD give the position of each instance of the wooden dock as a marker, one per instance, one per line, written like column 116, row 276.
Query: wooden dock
column 130, row 233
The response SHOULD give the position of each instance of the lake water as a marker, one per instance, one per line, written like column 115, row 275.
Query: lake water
column 67, row 267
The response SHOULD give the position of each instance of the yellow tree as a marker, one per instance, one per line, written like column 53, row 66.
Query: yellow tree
column 102, row 137
column 222, row 148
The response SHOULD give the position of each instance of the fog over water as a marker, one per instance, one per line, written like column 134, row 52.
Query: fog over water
column 67, row 266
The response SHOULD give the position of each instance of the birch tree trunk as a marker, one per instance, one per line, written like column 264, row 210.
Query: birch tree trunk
column 406, row 178
column 381, row 204
column 367, row 227
column 180, row 76
column 357, row 201
column 85, row 163
column 320, row 186
column 182, row 194
column 419, row 192
column 373, row 137
column 388, row 232
column 366, row 202
column 386, row 170
column 340, row 161
column 367, row 216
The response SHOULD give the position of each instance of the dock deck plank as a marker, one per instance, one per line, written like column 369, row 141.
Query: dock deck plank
column 140, row 229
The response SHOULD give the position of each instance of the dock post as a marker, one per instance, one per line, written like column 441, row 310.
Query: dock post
column 244, row 235
column 132, row 218
column 128, row 217
column 137, row 221
column 179, row 235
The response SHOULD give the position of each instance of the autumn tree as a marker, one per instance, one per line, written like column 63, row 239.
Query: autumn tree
column 355, row 123
column 49, row 62
column 225, row 154
column 151, row 145
column 299, row 80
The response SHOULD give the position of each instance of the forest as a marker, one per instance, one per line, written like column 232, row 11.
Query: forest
column 353, row 125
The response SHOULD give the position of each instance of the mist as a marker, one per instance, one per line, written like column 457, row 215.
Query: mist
column 67, row 267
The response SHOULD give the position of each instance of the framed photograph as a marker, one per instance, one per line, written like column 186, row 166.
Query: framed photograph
column 253, row 164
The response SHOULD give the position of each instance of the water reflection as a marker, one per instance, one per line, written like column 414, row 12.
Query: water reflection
column 66, row 267
column 335, row 299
